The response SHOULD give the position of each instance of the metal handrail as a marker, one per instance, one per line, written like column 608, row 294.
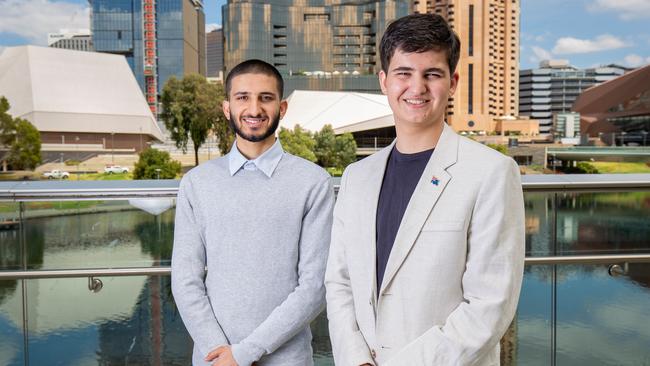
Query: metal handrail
column 165, row 271
column 111, row 190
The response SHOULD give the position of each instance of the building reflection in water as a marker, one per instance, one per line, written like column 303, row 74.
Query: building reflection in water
column 133, row 320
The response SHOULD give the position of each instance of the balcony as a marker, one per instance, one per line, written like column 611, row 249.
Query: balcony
column 84, row 274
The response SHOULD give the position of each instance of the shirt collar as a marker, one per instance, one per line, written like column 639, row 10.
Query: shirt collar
column 267, row 162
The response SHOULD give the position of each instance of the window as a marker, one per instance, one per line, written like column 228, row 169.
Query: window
column 470, row 89
column 470, row 47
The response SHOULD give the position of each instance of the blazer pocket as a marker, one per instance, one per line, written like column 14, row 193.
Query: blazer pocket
column 443, row 226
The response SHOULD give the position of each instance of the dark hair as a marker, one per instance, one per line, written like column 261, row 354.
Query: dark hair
column 420, row 33
column 254, row 67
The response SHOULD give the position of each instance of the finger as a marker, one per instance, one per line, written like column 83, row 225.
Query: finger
column 214, row 354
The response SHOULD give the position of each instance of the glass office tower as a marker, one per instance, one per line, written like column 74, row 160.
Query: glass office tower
column 310, row 37
column 158, row 38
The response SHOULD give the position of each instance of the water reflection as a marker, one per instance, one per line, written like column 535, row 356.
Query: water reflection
column 133, row 320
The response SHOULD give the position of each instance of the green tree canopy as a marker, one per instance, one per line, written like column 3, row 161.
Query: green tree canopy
column 191, row 108
column 325, row 149
column 21, row 138
column 151, row 159
column 346, row 150
column 298, row 142
column 334, row 151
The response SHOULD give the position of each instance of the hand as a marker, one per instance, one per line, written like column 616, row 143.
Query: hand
column 223, row 356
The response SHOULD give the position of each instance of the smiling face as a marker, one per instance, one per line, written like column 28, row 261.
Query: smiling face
column 418, row 86
column 254, row 107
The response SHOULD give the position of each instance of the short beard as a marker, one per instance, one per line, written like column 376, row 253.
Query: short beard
column 275, row 122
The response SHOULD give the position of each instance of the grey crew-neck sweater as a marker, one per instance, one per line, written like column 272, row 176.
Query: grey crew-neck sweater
column 265, row 243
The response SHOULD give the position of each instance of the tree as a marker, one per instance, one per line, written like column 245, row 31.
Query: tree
column 151, row 159
column 346, row 150
column 325, row 149
column 191, row 108
column 298, row 142
column 334, row 151
column 500, row 148
column 21, row 138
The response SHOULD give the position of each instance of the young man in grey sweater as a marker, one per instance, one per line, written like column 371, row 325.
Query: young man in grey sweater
column 259, row 220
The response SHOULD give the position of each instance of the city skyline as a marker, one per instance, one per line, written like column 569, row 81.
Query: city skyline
column 587, row 33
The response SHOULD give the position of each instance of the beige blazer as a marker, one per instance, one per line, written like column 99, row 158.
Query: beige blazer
column 453, row 277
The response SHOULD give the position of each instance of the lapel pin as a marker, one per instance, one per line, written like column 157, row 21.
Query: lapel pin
column 435, row 181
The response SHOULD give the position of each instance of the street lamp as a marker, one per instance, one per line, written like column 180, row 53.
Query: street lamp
column 158, row 173
column 623, row 133
column 113, row 147
column 76, row 147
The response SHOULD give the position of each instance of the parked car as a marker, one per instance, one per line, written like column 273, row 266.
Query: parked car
column 116, row 169
column 56, row 174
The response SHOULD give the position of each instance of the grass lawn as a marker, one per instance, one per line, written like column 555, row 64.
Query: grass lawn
column 103, row 176
column 620, row 168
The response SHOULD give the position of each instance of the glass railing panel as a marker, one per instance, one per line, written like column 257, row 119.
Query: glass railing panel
column 99, row 234
column 131, row 321
column 603, row 223
column 603, row 320
column 529, row 341
column 321, row 341
column 10, row 250
column 540, row 215
column 11, row 323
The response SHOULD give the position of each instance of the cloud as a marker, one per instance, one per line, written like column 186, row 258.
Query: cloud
column 634, row 60
column 34, row 19
column 540, row 54
column 212, row 26
column 570, row 45
column 626, row 9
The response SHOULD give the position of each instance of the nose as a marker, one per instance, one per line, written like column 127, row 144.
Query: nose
column 255, row 107
column 418, row 86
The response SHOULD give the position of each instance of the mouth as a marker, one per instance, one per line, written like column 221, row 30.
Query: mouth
column 416, row 102
column 254, row 122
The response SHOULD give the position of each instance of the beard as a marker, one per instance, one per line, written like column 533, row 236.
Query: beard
column 275, row 122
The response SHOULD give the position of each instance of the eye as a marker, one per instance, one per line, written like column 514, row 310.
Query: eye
column 267, row 98
column 433, row 75
column 242, row 97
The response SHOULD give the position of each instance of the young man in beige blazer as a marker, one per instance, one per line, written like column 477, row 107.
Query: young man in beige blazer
column 427, row 252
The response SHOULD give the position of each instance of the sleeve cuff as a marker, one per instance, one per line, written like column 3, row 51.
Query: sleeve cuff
column 245, row 354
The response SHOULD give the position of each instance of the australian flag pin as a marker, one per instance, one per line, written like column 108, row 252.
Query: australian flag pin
column 435, row 181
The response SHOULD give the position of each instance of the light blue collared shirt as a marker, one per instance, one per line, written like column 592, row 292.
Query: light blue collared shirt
column 267, row 162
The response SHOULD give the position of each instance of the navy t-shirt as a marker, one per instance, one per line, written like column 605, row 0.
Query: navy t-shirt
column 403, row 171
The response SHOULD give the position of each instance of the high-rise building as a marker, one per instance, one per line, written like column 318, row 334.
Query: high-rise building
column 554, row 86
column 322, row 44
column 489, row 60
column 79, row 40
column 159, row 38
column 214, row 51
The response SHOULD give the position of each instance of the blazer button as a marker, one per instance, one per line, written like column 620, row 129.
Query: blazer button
column 373, row 353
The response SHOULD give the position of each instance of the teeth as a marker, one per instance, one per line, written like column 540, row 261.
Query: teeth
column 415, row 101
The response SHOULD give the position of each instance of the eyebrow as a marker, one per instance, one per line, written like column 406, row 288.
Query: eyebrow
column 244, row 93
column 431, row 69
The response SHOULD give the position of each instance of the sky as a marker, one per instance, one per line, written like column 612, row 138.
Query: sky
column 587, row 33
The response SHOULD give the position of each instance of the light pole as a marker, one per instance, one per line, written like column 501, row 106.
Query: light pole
column 157, row 173
column 623, row 133
column 113, row 147
column 76, row 147
column 645, row 134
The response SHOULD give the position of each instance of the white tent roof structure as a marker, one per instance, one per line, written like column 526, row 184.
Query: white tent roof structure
column 61, row 90
column 345, row 111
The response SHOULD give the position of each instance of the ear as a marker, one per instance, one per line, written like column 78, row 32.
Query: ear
column 225, row 105
column 382, row 81
column 283, row 108
column 453, row 84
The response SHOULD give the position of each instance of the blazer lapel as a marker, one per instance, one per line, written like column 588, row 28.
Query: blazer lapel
column 432, row 183
column 369, row 217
